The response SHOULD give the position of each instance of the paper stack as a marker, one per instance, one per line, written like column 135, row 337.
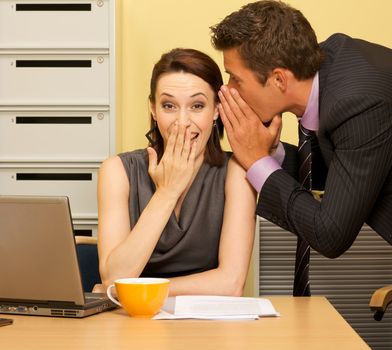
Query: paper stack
column 215, row 308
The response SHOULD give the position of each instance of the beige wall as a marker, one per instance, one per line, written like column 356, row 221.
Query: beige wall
column 148, row 28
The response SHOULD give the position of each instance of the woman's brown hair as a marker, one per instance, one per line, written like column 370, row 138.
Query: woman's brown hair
column 197, row 63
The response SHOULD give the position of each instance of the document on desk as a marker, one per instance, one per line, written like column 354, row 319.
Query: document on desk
column 215, row 308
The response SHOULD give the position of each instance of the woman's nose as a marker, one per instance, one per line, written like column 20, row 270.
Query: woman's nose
column 183, row 118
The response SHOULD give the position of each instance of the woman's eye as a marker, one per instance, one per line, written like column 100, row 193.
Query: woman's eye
column 198, row 106
column 167, row 105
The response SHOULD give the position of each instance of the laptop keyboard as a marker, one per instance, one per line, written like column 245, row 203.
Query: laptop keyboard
column 93, row 296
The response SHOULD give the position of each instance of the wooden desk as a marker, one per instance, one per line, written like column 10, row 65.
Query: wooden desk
column 305, row 323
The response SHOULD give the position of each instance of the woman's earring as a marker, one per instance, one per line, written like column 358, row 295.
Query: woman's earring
column 215, row 132
column 150, row 133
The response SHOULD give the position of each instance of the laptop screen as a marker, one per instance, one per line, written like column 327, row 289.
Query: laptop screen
column 38, row 258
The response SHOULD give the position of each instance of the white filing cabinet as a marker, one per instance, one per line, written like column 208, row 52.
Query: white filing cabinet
column 57, row 99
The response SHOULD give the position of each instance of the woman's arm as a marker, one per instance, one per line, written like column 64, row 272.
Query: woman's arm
column 125, row 253
column 236, row 242
column 122, row 252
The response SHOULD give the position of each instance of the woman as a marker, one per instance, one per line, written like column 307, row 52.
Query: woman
column 181, row 209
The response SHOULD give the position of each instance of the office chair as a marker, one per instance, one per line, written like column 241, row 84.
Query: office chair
column 86, row 248
column 379, row 301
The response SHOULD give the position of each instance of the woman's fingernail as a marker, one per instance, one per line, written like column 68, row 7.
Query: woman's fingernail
column 224, row 88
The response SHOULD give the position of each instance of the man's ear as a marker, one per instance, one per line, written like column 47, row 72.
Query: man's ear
column 279, row 79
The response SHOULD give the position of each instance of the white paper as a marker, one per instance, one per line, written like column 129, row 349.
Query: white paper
column 163, row 315
column 216, row 307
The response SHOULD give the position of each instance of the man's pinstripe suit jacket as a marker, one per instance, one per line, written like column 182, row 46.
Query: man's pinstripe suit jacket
column 355, row 136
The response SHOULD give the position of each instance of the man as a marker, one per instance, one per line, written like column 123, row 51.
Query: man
column 341, row 89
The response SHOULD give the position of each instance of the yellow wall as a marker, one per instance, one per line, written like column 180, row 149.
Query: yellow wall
column 148, row 28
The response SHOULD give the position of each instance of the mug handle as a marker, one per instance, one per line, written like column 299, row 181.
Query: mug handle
column 110, row 296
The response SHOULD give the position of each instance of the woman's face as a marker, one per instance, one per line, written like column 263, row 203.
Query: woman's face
column 189, row 100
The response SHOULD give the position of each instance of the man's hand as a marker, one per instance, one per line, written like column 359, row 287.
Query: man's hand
column 249, row 138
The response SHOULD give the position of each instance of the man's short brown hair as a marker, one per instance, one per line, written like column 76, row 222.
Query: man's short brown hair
column 268, row 35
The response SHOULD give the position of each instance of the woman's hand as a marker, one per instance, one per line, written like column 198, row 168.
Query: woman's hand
column 175, row 170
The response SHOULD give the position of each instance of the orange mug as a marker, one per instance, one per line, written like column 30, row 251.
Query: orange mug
column 140, row 297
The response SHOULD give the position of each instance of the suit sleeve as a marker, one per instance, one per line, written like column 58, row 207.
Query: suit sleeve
column 362, row 139
column 290, row 162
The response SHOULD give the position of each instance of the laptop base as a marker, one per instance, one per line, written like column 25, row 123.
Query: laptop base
column 57, row 309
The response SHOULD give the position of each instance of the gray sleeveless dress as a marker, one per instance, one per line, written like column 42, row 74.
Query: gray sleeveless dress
column 190, row 244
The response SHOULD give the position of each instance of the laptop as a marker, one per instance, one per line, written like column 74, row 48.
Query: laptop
column 39, row 270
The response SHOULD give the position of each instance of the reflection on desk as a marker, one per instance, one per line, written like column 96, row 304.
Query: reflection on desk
column 305, row 323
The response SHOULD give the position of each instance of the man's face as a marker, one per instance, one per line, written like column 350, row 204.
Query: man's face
column 264, row 100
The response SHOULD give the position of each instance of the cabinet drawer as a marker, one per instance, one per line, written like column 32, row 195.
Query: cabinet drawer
column 79, row 184
column 85, row 228
column 54, row 24
column 54, row 136
column 54, row 79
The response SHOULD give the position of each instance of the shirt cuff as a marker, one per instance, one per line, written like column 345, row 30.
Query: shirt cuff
column 259, row 172
column 279, row 154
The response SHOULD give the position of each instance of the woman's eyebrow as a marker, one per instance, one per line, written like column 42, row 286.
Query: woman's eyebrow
column 166, row 94
column 194, row 95
column 199, row 93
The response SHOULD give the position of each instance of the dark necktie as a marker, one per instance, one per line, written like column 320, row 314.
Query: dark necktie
column 302, row 257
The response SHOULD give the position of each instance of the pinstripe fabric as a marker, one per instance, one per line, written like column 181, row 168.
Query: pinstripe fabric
column 305, row 154
column 355, row 137
column 301, row 285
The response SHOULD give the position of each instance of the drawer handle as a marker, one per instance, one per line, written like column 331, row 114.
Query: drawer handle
column 83, row 232
column 54, row 176
column 53, row 120
column 53, row 63
column 53, row 7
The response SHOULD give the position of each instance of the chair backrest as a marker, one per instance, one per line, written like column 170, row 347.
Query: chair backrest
column 87, row 251
column 380, row 300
